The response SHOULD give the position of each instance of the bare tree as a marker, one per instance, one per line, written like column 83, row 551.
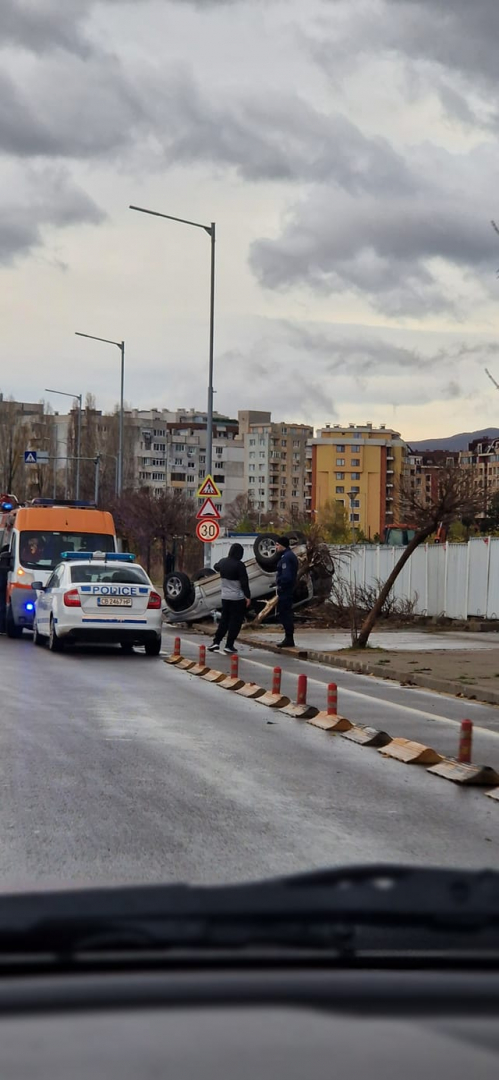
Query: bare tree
column 458, row 496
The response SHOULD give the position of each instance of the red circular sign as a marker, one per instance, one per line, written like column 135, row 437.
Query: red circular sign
column 208, row 530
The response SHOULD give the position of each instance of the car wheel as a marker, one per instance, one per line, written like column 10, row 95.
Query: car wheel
column 12, row 630
column 179, row 591
column 38, row 639
column 296, row 537
column 55, row 643
column 205, row 572
column 127, row 646
column 153, row 648
column 265, row 550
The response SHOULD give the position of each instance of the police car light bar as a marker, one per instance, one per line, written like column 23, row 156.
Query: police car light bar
column 106, row 556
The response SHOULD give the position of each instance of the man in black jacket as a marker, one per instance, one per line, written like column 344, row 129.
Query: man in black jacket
column 286, row 575
column 236, row 597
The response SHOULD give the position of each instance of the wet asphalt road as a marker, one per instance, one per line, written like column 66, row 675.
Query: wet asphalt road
column 118, row 768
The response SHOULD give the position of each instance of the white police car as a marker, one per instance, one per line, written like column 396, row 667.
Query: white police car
column 98, row 597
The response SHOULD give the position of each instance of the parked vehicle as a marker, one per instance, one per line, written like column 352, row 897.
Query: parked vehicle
column 34, row 538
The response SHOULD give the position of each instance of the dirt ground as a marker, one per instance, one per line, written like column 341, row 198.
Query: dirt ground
column 468, row 667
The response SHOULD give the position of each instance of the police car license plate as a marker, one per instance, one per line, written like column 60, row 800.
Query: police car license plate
column 114, row 601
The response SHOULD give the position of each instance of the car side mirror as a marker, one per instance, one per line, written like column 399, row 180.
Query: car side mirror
column 38, row 586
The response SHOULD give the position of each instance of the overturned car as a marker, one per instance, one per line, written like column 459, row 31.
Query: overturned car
column 190, row 599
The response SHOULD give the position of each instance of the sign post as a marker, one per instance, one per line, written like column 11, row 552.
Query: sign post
column 208, row 516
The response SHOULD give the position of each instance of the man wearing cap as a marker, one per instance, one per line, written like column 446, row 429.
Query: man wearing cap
column 287, row 572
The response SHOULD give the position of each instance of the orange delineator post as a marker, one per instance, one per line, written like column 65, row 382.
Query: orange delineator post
column 332, row 699
column 176, row 647
column 301, row 696
column 202, row 654
column 234, row 667
column 464, row 755
column 276, row 680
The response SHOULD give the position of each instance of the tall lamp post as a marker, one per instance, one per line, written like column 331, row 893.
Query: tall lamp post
column 121, row 346
column 211, row 230
column 78, row 398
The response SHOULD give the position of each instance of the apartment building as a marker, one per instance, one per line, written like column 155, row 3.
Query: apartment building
column 357, row 466
column 421, row 468
column 482, row 456
column 170, row 451
column 275, row 462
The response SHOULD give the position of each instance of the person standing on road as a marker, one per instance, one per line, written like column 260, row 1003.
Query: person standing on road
column 286, row 575
column 236, row 597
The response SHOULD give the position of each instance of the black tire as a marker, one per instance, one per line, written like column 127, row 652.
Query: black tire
column 179, row 591
column 153, row 648
column 296, row 537
column 265, row 551
column 38, row 639
column 11, row 629
column 55, row 643
column 127, row 646
column 206, row 572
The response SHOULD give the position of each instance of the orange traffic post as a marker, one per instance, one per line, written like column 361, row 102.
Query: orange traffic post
column 464, row 755
column 202, row 654
column 234, row 666
column 276, row 680
column 332, row 699
column 301, row 696
column 176, row 647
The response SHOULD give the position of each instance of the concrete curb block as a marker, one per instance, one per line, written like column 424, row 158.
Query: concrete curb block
column 330, row 723
column 358, row 667
column 410, row 752
column 273, row 701
column 185, row 665
column 459, row 773
column 231, row 683
column 172, row 659
column 199, row 669
column 367, row 736
column 251, row 690
column 300, row 712
column 214, row 676
column 494, row 794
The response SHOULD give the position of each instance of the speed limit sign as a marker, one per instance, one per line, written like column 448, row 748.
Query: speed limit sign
column 207, row 530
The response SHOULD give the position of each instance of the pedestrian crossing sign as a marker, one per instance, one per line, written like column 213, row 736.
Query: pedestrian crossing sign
column 209, row 488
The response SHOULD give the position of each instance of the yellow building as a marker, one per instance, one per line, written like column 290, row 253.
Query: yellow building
column 358, row 466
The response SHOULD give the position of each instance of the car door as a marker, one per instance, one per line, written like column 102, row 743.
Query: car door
column 45, row 599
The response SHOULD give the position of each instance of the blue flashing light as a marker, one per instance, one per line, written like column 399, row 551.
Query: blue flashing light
column 106, row 556
column 121, row 556
column 74, row 555
column 29, row 606
column 6, row 506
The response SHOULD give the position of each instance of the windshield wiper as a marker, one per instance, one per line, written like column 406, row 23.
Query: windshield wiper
column 345, row 910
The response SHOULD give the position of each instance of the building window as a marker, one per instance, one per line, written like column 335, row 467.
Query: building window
column 159, row 446
column 283, row 468
column 284, row 431
column 294, row 494
column 219, row 450
column 261, row 491
column 251, row 479
column 262, row 454
column 340, row 475
column 158, row 476
column 178, row 461
column 340, row 490
column 261, row 442
column 340, row 450
column 252, row 442
column 282, row 504
column 356, row 461
column 252, row 454
column 179, row 446
column 191, row 465
column 296, row 442
column 201, row 474
column 340, row 460
column 284, row 442
column 252, row 468
column 219, row 479
column 356, row 489
column 178, row 477
column 159, row 431
column 355, row 449
column 354, row 517
column 356, row 476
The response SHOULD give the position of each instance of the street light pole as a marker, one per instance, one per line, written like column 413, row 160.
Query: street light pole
column 211, row 230
column 121, row 346
column 78, row 398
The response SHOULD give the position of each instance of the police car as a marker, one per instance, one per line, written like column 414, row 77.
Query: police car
column 98, row 597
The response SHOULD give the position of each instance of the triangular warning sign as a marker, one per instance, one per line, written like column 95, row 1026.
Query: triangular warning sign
column 30, row 459
column 208, row 510
column 209, row 487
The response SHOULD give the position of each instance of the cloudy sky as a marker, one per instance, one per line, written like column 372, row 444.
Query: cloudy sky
column 347, row 151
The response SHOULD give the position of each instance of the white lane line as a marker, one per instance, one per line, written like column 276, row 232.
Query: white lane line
column 421, row 713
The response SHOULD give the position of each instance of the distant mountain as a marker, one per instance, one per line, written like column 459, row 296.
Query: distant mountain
column 454, row 442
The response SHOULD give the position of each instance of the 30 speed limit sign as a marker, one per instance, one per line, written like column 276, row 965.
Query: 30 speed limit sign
column 207, row 530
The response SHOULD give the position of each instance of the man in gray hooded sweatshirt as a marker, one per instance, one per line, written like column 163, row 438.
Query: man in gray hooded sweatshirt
column 236, row 597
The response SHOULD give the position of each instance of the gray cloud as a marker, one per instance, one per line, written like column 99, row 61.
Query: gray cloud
column 385, row 250
column 44, row 24
column 45, row 198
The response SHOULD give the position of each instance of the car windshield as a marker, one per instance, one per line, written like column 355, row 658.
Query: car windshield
column 127, row 575
column 42, row 550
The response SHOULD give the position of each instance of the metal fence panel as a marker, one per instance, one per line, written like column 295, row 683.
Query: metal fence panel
column 478, row 576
